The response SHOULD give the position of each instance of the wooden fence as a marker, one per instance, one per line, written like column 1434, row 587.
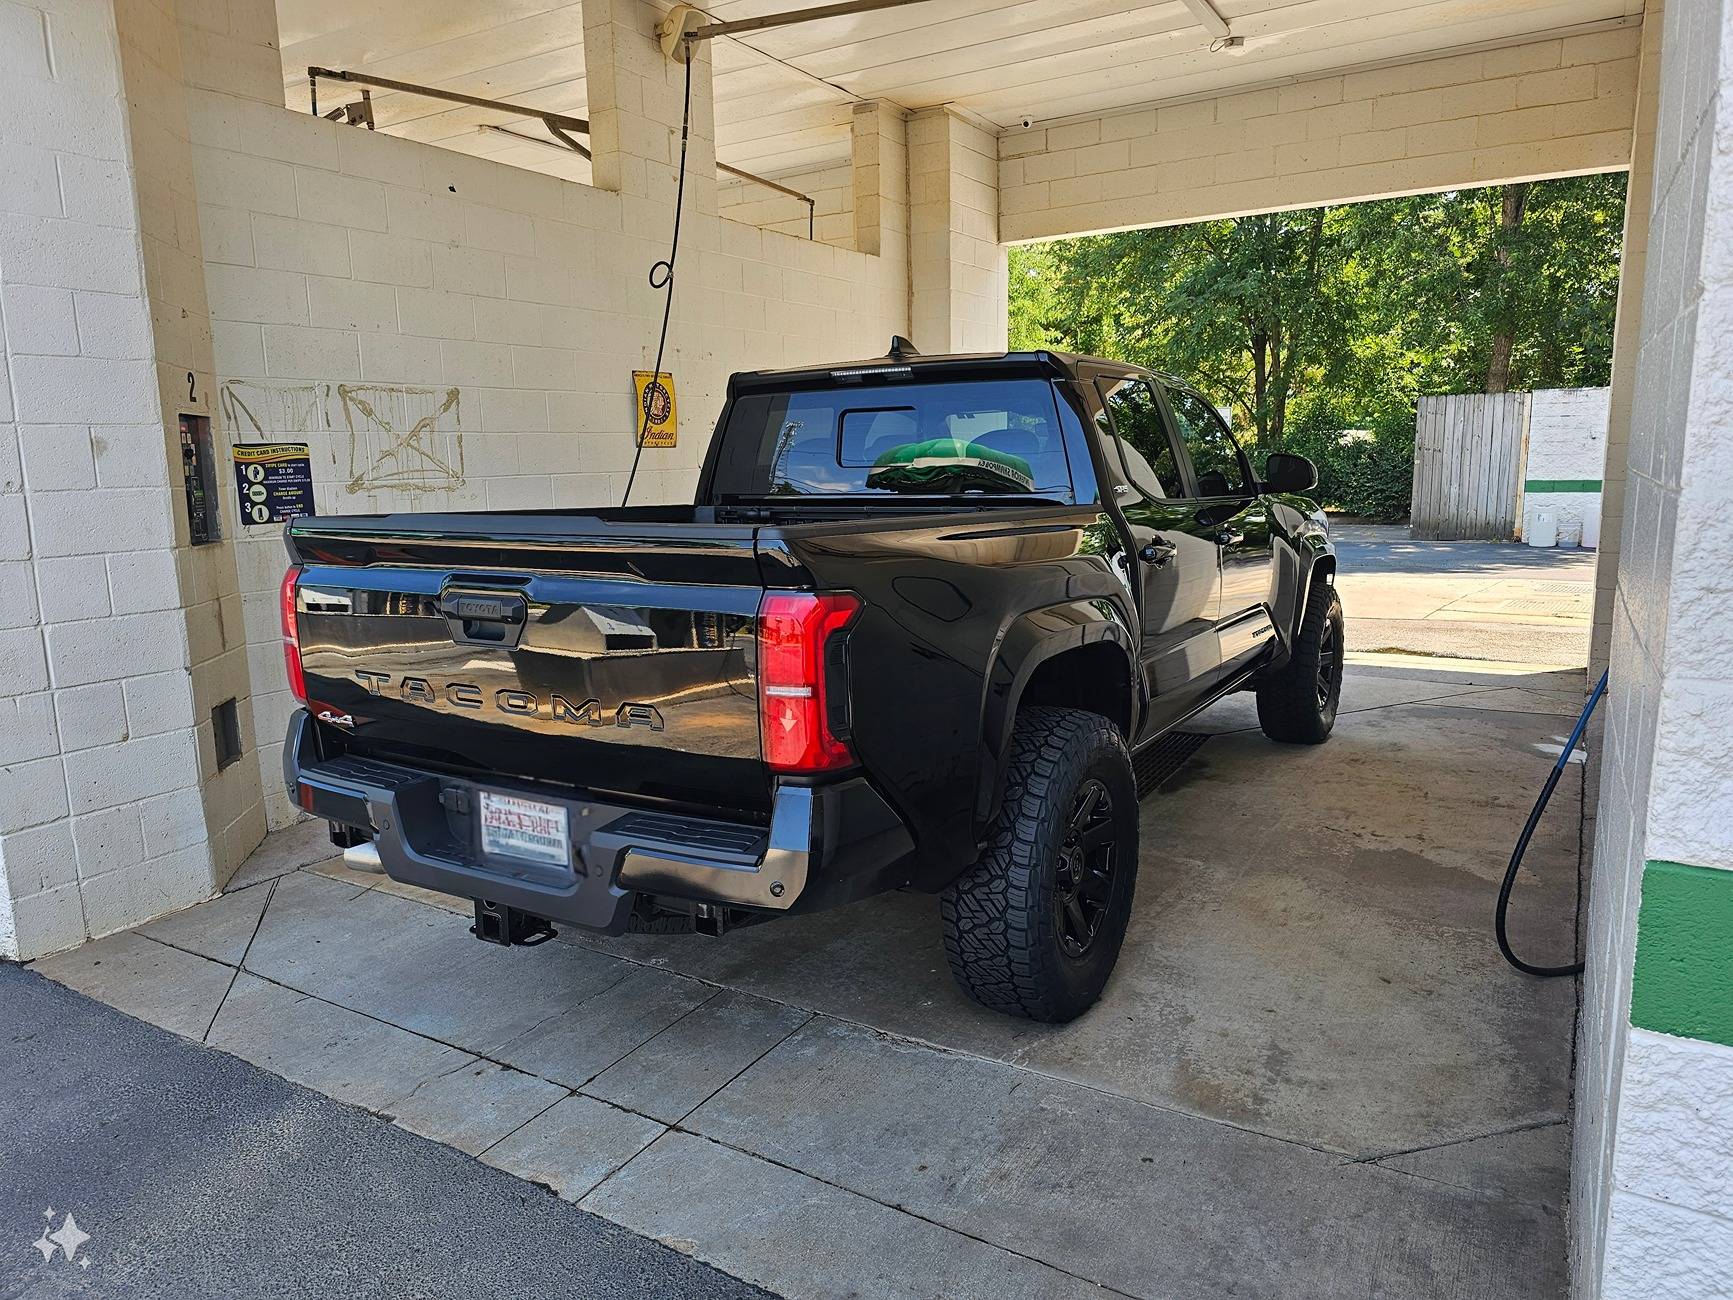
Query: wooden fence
column 1469, row 452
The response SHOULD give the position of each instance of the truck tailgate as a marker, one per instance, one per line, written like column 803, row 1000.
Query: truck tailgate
column 616, row 652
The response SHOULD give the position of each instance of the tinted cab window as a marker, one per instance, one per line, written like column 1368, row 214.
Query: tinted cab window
column 998, row 437
column 1139, row 434
column 1215, row 458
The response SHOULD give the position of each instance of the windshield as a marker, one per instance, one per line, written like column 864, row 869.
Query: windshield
column 997, row 437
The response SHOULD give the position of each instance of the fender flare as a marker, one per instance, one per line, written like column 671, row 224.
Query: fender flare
column 1320, row 559
column 1297, row 561
column 1031, row 639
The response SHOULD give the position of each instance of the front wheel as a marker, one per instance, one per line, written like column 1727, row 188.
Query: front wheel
column 1034, row 928
column 1297, row 703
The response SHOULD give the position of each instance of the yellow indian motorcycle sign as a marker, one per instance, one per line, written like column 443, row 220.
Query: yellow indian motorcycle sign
column 655, row 401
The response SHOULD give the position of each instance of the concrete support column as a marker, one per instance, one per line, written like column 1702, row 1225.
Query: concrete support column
column 1653, row 1162
column 957, row 271
column 118, row 637
column 879, row 150
column 1627, row 333
column 102, row 823
column 635, row 97
column 172, row 53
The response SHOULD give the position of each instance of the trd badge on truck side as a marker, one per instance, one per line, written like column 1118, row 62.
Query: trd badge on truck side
column 465, row 695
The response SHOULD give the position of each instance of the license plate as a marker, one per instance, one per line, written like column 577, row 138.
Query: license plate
column 524, row 828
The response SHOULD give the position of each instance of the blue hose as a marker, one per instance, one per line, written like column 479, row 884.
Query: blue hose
column 1552, row 780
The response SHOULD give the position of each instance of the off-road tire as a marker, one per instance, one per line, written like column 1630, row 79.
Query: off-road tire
column 1297, row 703
column 1004, row 935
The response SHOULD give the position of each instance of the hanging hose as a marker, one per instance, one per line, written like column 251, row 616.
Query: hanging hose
column 662, row 277
column 1552, row 780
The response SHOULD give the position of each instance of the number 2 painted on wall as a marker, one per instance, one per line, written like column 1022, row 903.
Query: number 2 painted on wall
column 192, row 394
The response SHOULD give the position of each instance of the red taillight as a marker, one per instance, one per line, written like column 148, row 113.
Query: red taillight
column 291, row 634
column 793, row 711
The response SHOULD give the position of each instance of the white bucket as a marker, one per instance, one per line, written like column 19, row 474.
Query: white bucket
column 1542, row 527
column 1592, row 526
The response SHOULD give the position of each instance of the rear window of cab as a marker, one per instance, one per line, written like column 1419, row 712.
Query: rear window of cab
column 997, row 437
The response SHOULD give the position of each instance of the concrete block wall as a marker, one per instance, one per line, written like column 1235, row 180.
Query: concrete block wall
column 1540, row 108
column 862, row 204
column 1652, row 1162
column 1627, row 332
column 168, row 49
column 879, row 148
column 102, row 821
column 957, row 260
column 358, row 281
column 1566, row 445
column 832, row 189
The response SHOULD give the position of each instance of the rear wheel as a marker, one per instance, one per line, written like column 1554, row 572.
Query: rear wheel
column 1297, row 703
column 1034, row 928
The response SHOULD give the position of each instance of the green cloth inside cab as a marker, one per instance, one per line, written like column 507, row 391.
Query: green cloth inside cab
column 949, row 465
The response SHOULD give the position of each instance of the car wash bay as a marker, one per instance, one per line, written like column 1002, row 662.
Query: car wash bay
column 1311, row 1074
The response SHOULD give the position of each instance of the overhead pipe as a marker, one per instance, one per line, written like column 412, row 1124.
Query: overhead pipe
column 565, row 144
column 685, row 23
column 551, row 120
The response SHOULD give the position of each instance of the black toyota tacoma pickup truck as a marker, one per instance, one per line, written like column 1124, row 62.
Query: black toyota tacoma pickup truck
column 924, row 613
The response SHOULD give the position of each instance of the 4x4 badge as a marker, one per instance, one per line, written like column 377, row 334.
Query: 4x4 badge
column 336, row 719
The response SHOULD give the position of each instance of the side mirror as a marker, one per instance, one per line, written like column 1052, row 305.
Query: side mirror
column 1284, row 472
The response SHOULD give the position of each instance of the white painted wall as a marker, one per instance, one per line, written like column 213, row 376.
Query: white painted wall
column 957, row 262
column 1567, row 443
column 1541, row 108
column 832, row 191
column 1627, row 331
column 102, row 822
column 165, row 216
column 1651, row 1167
column 350, row 271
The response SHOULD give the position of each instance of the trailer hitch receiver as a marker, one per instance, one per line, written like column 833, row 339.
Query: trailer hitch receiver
column 509, row 927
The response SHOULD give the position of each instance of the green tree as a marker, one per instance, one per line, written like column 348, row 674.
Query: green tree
column 1312, row 322
column 1253, row 310
column 1514, row 286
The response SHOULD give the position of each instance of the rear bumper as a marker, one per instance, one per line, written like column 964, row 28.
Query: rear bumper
column 825, row 845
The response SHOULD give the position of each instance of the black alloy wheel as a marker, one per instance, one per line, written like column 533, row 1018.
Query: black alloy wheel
column 1086, row 861
column 1329, row 666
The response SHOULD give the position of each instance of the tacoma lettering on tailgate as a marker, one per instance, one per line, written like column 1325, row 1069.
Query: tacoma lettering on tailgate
column 466, row 695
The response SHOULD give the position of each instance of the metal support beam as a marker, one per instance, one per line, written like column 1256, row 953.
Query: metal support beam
column 709, row 31
column 1208, row 18
column 565, row 144
column 684, row 23
column 450, row 96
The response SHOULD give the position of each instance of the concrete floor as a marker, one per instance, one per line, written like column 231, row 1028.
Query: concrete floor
column 1472, row 600
column 1311, row 1074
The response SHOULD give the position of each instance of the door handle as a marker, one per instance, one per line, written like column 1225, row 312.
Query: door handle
column 485, row 618
column 1157, row 553
column 1228, row 537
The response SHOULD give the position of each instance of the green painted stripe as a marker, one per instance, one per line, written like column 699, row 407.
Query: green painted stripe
column 1562, row 485
column 1683, row 982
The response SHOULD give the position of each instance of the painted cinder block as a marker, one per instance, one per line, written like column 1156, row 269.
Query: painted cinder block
column 1470, row 119
column 87, row 716
column 41, row 858
column 27, row 728
column 113, row 775
column 33, row 793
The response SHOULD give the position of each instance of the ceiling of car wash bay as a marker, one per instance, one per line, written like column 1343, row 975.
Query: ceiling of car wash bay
column 783, row 95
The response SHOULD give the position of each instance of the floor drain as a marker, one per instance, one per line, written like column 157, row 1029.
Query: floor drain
column 1158, row 762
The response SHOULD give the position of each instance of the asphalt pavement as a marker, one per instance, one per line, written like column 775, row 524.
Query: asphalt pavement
column 1465, row 600
column 134, row 1163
